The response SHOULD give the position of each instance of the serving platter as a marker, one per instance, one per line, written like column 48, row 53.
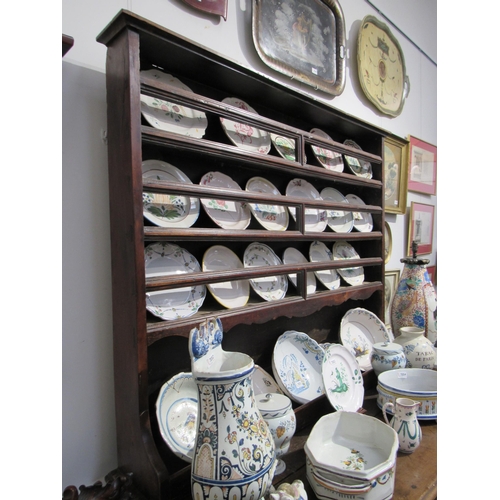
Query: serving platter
column 230, row 294
column 338, row 220
column 331, row 160
column 268, row 287
column 263, row 382
column 315, row 219
column 352, row 275
column 319, row 252
column 169, row 116
column 358, row 167
column 242, row 135
column 226, row 214
column 363, row 221
column 293, row 256
column 166, row 259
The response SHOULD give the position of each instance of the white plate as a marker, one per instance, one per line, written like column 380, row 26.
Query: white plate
column 230, row 294
column 297, row 362
column 242, row 135
column 284, row 145
column 263, row 383
column 358, row 167
column 319, row 252
column 293, row 256
column 338, row 220
column 226, row 214
column 363, row 221
column 168, row 210
column 342, row 378
column 177, row 414
column 172, row 117
column 352, row 275
column 359, row 330
column 271, row 217
column 165, row 259
column 268, row 287
column 315, row 218
column 329, row 159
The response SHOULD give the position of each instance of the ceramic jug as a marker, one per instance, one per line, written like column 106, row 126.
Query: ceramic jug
column 234, row 449
column 415, row 302
column 405, row 423
column 418, row 350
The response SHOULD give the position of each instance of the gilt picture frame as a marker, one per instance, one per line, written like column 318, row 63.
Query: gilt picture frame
column 391, row 283
column 395, row 175
column 421, row 228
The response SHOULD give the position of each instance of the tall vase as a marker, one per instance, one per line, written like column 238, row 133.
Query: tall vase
column 235, row 455
column 415, row 302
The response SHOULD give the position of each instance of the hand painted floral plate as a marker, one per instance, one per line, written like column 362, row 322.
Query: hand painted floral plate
column 172, row 117
column 319, row 252
column 339, row 221
column 292, row 256
column 363, row 221
column 352, row 275
column 284, row 145
column 358, row 167
column 315, row 218
column 329, row 159
column 263, row 382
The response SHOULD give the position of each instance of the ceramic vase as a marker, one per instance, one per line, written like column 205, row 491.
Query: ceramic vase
column 405, row 423
column 234, row 450
column 387, row 356
column 415, row 301
column 418, row 350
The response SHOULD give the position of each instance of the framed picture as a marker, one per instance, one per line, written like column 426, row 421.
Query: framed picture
column 395, row 175
column 431, row 271
column 303, row 39
column 391, row 283
column 421, row 227
column 422, row 167
column 387, row 242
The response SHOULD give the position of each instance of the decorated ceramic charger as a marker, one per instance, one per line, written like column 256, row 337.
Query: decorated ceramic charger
column 168, row 210
column 297, row 364
column 339, row 221
column 342, row 378
column 284, row 145
column 167, row 259
column 292, row 256
column 242, row 135
column 177, row 414
column 359, row 330
column 264, row 383
column 329, row 159
column 271, row 217
column 226, row 214
column 358, row 167
column 319, row 252
column 268, row 287
column 363, row 221
column 344, row 251
column 315, row 218
column 230, row 294
column 169, row 116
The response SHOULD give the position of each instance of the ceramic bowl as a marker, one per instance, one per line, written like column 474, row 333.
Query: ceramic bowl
column 297, row 366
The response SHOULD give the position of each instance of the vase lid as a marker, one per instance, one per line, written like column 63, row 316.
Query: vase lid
column 388, row 347
column 413, row 260
column 272, row 405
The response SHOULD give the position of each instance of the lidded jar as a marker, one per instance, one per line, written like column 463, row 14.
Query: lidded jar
column 387, row 356
column 418, row 350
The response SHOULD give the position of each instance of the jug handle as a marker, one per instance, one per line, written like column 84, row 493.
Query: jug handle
column 384, row 407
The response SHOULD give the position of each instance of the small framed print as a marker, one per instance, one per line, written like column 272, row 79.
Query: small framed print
column 421, row 227
column 395, row 175
column 422, row 167
column 431, row 271
column 391, row 283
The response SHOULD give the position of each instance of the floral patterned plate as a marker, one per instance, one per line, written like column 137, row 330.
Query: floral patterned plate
column 359, row 330
column 226, row 214
column 268, row 287
column 177, row 414
column 338, row 220
column 297, row 362
column 165, row 259
column 329, row 159
column 242, row 135
column 292, row 256
column 319, row 252
column 284, row 145
column 263, row 383
column 358, row 167
column 172, row 117
column 363, row 221
column 342, row 378
column 315, row 218
column 168, row 210
column 271, row 217
column 352, row 275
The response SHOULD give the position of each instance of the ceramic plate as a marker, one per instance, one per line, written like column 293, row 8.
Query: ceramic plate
column 263, row 383
column 230, row 294
column 338, row 220
column 358, row 167
column 297, row 362
column 168, row 210
column 363, row 221
column 293, row 256
column 328, row 159
column 342, row 378
column 359, row 330
column 315, row 219
column 352, row 275
column 319, row 252
column 284, row 145
column 177, row 414
column 268, row 287
column 242, row 135
column 271, row 217
column 172, row 117
column 226, row 214
column 165, row 259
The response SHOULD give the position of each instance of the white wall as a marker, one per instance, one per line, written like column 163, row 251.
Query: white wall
column 88, row 441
